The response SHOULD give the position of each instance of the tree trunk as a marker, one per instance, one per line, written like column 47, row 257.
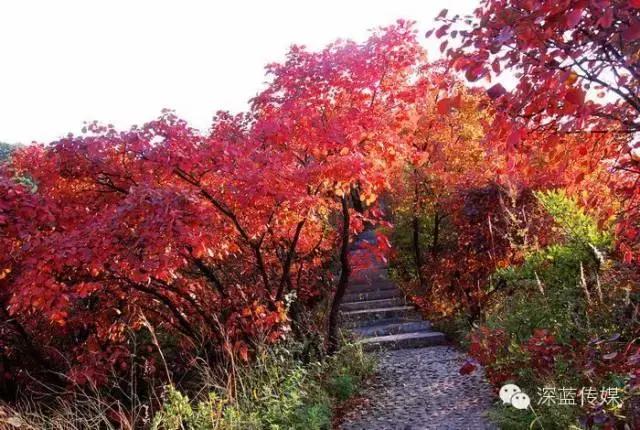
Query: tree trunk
column 345, row 271
column 355, row 199
column 46, row 367
column 436, row 233
column 286, row 267
column 417, row 251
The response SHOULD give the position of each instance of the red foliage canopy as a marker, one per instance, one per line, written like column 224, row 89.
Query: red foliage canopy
column 576, row 72
column 201, row 236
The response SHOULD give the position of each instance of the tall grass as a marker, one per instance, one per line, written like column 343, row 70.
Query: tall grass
column 276, row 390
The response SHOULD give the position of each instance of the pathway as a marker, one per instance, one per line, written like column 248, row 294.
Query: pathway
column 418, row 384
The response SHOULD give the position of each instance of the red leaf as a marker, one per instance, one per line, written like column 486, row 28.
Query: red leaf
column 243, row 352
column 513, row 139
column 444, row 106
column 496, row 91
column 442, row 31
column 606, row 20
column 467, row 368
column 627, row 255
column 632, row 33
column 456, row 101
column 574, row 17
column 495, row 66
column 575, row 96
column 474, row 73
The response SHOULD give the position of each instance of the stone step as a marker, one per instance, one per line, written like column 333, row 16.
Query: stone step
column 355, row 296
column 365, row 288
column 369, row 281
column 378, row 313
column 372, row 304
column 367, row 278
column 392, row 328
column 375, row 310
column 350, row 325
column 367, row 236
column 403, row 340
column 368, row 275
column 371, row 316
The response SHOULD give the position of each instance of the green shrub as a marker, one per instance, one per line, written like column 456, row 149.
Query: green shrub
column 558, row 289
column 578, row 226
column 6, row 150
column 275, row 392
column 507, row 417
column 342, row 387
column 548, row 290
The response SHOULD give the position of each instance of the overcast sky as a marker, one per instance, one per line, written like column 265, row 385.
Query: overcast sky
column 122, row 61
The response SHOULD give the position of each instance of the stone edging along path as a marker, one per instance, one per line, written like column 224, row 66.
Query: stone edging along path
column 418, row 384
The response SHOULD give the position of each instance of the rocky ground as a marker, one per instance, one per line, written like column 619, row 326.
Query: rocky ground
column 422, row 388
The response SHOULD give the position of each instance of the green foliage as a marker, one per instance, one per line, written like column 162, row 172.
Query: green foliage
column 578, row 226
column 559, row 264
column 403, row 267
column 179, row 413
column 556, row 288
column 6, row 150
column 351, row 363
column 342, row 387
column 509, row 418
column 275, row 392
column 546, row 289
column 456, row 327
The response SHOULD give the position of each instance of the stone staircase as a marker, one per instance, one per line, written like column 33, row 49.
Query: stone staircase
column 376, row 311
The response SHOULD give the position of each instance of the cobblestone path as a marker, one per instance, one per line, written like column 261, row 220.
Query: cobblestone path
column 418, row 384
column 421, row 388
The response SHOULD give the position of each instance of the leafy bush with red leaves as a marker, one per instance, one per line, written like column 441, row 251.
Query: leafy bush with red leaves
column 216, row 242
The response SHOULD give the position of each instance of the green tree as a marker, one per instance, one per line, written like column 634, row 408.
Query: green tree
column 5, row 150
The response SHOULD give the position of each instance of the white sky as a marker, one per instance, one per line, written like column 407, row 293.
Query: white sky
column 122, row 61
